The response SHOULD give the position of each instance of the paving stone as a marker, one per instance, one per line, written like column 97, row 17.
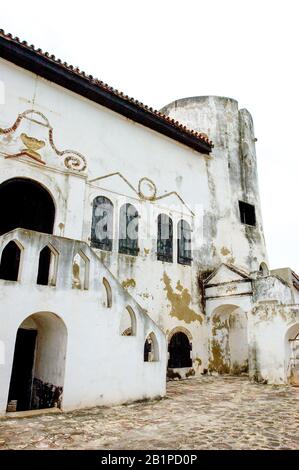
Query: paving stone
column 201, row 413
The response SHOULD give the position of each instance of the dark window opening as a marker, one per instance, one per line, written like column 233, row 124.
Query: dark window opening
column 44, row 266
column 184, row 243
column 102, row 223
column 25, row 204
column 165, row 238
column 179, row 351
column 147, row 350
column 247, row 213
column 10, row 262
column 128, row 230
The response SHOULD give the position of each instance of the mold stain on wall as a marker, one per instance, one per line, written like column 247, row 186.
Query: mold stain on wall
column 180, row 302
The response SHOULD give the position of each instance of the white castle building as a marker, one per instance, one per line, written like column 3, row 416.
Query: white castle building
column 131, row 243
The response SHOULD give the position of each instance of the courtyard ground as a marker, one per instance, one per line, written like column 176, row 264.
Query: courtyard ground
column 203, row 413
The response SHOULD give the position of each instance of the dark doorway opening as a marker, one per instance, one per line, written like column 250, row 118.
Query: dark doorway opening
column 10, row 262
column 38, row 365
column 25, row 204
column 22, row 372
column 179, row 351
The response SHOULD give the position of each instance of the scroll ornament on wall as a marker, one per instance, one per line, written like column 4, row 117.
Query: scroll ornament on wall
column 31, row 146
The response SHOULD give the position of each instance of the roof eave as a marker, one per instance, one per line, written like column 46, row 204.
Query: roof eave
column 57, row 73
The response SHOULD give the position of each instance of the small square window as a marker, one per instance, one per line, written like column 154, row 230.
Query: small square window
column 247, row 213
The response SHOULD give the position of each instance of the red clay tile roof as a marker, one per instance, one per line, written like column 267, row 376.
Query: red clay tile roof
column 201, row 137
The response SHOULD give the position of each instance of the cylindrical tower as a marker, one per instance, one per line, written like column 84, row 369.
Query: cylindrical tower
column 232, row 217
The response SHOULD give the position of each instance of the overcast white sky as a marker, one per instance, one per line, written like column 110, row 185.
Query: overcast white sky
column 161, row 50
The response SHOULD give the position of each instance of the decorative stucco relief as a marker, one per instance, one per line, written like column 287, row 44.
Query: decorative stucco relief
column 146, row 190
column 73, row 160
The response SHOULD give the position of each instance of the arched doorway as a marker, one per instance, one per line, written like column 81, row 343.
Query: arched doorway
column 292, row 355
column 179, row 350
column 25, row 204
column 228, row 341
column 37, row 375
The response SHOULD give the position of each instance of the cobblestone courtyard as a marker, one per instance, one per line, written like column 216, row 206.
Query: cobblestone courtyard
column 205, row 413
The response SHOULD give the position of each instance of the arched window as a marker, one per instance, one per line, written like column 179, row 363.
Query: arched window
column 128, row 322
column 102, row 223
column 10, row 261
column 151, row 349
column 179, row 351
column 165, row 238
column 263, row 271
column 128, row 230
column 184, row 243
column 47, row 266
column 108, row 293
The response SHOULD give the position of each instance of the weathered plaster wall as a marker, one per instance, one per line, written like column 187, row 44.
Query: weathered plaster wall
column 111, row 143
column 287, row 275
column 272, row 288
column 202, row 190
column 232, row 176
column 228, row 340
column 268, row 325
column 101, row 366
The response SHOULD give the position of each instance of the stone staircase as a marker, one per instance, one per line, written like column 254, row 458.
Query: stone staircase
column 90, row 332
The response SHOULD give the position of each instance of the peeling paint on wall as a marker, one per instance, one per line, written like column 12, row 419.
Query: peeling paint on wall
column 225, row 251
column 228, row 350
column 218, row 362
column 180, row 302
column 129, row 283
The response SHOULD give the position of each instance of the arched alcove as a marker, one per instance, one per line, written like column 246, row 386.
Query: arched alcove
column 80, row 279
column 25, row 204
column 228, row 340
column 128, row 325
column 151, row 348
column 37, row 376
column 108, row 292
